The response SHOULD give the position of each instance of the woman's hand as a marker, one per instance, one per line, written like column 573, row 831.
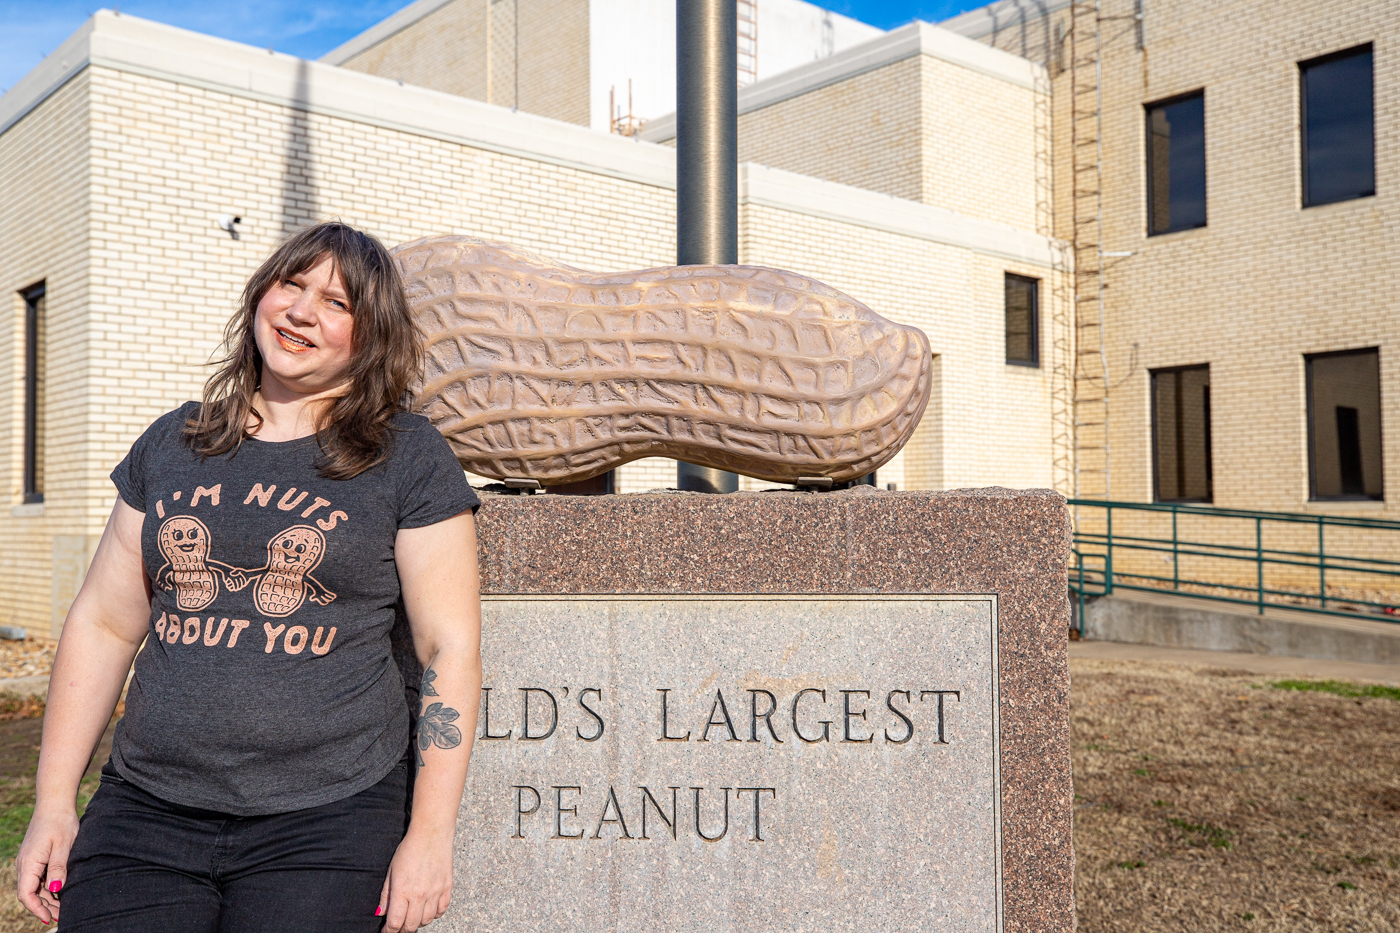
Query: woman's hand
column 42, row 863
column 419, row 886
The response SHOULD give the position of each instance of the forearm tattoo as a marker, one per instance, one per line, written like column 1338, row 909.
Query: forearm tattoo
column 435, row 721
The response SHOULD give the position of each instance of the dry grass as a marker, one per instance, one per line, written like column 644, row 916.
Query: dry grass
column 1211, row 800
column 13, row 917
column 1206, row 800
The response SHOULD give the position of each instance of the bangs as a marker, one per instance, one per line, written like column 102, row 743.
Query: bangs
column 353, row 255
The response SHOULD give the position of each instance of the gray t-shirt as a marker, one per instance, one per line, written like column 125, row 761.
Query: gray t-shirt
column 267, row 683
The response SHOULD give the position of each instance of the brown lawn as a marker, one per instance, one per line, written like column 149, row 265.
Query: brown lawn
column 1206, row 800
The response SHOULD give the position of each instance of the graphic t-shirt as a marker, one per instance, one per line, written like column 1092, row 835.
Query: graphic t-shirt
column 267, row 683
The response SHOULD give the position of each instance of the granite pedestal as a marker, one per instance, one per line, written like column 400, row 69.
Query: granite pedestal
column 771, row 712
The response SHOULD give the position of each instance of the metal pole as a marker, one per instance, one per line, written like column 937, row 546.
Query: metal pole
column 1176, row 551
column 707, row 161
column 1259, row 558
column 1108, row 558
column 1321, row 562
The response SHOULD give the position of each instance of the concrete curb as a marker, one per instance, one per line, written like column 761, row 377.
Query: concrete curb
column 1182, row 622
column 1261, row 664
column 38, row 685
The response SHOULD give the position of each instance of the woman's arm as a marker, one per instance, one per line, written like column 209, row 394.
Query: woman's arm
column 104, row 629
column 441, row 594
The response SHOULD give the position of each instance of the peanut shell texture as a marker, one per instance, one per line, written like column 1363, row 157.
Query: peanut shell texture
column 536, row 370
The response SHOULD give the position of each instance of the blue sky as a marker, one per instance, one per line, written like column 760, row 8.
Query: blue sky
column 308, row 28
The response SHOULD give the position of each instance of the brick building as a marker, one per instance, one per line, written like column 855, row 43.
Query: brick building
column 1248, row 185
column 1149, row 243
column 125, row 150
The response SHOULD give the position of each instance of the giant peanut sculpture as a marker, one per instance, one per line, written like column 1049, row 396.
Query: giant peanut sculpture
column 540, row 371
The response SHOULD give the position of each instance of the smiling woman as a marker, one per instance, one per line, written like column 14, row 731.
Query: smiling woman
column 324, row 320
column 261, row 542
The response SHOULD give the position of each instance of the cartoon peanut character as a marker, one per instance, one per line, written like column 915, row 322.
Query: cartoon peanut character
column 184, row 542
column 285, row 583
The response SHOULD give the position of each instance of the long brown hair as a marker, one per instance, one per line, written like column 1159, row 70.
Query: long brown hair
column 353, row 429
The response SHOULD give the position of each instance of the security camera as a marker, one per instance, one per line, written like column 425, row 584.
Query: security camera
column 230, row 223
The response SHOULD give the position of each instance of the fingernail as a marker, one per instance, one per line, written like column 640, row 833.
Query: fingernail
column 55, row 886
column 378, row 911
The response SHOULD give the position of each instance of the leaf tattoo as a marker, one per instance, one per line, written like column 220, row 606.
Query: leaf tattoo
column 435, row 722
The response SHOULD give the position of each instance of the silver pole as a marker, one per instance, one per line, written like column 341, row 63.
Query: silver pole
column 707, row 161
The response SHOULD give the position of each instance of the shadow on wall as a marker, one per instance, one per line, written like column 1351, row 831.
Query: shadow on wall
column 299, row 196
column 1029, row 21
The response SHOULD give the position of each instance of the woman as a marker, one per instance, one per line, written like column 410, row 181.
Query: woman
column 258, row 549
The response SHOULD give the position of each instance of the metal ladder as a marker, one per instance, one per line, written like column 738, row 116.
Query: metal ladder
column 1090, row 377
column 747, row 15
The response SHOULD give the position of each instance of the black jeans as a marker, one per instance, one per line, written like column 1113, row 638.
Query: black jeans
column 145, row 865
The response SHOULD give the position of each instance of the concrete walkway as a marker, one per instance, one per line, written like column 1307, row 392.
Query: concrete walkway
column 1270, row 665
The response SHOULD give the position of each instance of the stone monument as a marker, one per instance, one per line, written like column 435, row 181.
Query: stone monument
column 772, row 711
column 778, row 711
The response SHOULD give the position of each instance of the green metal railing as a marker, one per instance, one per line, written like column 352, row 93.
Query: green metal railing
column 1330, row 564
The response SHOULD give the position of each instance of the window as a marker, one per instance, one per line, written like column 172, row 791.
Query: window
column 1344, row 424
column 1338, row 125
column 34, row 393
column 1022, row 320
column 1181, row 434
column 1176, row 164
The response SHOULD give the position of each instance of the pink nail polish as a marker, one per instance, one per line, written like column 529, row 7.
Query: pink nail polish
column 378, row 911
column 55, row 887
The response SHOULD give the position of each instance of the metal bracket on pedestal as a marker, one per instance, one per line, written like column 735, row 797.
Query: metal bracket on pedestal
column 814, row 483
column 516, row 486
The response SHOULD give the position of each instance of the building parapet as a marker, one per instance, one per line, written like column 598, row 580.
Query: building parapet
column 802, row 194
column 914, row 39
column 382, row 30
column 984, row 21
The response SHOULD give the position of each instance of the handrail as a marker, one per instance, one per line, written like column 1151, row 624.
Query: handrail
column 1191, row 508
column 1093, row 573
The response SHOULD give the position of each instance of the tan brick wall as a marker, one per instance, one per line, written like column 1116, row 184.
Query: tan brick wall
column 923, row 129
column 445, row 50
column 863, row 131
column 554, row 52
column 979, row 144
column 1267, row 281
column 44, row 226
column 502, row 52
column 486, row 49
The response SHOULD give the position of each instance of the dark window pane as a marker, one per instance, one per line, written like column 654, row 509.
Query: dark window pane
column 1339, row 148
column 1176, row 164
column 1022, row 325
column 34, row 365
column 1344, row 425
column 1181, row 434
